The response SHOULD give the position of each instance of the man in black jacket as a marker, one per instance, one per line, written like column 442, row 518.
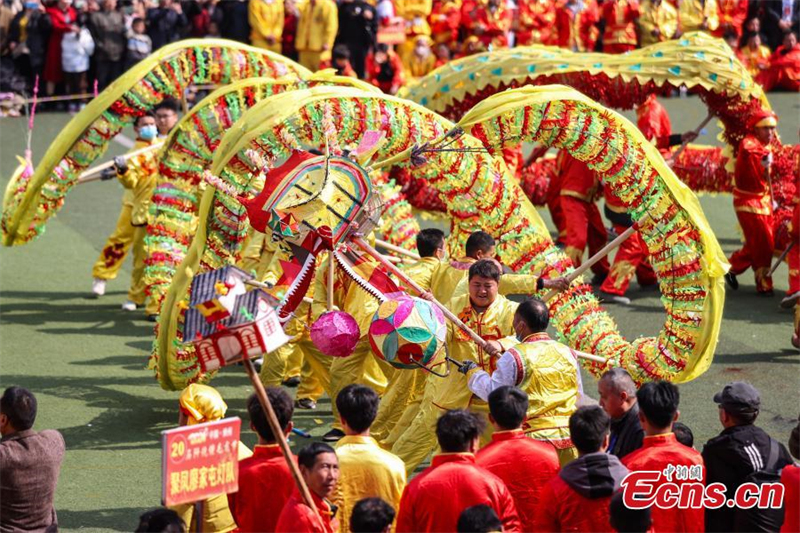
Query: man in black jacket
column 738, row 451
column 358, row 28
column 166, row 23
column 618, row 398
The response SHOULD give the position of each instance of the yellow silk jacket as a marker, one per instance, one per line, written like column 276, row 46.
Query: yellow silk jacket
column 139, row 182
column 347, row 297
column 422, row 271
column 663, row 17
column 493, row 324
column 266, row 20
column 317, row 25
column 691, row 14
column 450, row 281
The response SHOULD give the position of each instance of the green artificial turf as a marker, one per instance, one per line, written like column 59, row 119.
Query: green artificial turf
column 85, row 358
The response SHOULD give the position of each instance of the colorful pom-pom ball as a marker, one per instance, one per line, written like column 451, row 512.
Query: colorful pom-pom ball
column 335, row 333
column 407, row 332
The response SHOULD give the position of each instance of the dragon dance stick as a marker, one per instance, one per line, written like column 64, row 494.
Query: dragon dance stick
column 361, row 243
column 396, row 249
column 697, row 130
column 781, row 258
column 277, row 431
column 93, row 174
column 594, row 259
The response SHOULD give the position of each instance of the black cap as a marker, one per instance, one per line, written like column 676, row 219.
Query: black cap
column 739, row 397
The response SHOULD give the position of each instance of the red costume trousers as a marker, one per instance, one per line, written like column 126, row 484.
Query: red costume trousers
column 618, row 48
column 584, row 226
column 757, row 250
column 794, row 254
column 631, row 259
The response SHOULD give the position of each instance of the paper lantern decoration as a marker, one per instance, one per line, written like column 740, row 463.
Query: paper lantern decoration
column 335, row 333
column 406, row 330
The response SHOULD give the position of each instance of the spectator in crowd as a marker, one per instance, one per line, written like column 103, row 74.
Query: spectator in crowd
column 27, row 40
column 290, row 16
column 266, row 24
column 63, row 20
column 160, row 521
column 319, row 467
column 658, row 21
column 367, row 470
column 265, row 481
column 384, row 69
column 525, row 465
column 445, row 21
column 535, row 22
column 454, row 473
column 166, row 23
column 683, row 434
column 442, row 55
column 139, row 44
column 232, row 17
column 627, row 520
column 6, row 16
column 479, row 519
column 213, row 30
column 618, row 398
column 317, row 25
column 340, row 61
column 371, row 515
column 421, row 61
column 783, row 71
column 754, row 55
column 619, row 17
column 790, row 479
column 358, row 29
column 658, row 410
column 108, row 30
column 732, row 14
column 777, row 18
column 77, row 49
column 29, row 465
column 491, row 23
column 577, row 499
column 740, row 450
column 576, row 23
column 199, row 15
column 697, row 15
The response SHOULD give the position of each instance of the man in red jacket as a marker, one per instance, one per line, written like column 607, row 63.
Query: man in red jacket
column 620, row 17
column 265, row 481
column 578, row 498
column 435, row 498
column 320, row 469
column 579, row 190
column 658, row 409
column 524, row 464
column 753, row 202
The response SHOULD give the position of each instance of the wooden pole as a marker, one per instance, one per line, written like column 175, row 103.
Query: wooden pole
column 331, row 271
column 396, row 249
column 594, row 259
column 199, row 511
column 781, row 258
column 683, row 146
column 93, row 174
column 277, row 431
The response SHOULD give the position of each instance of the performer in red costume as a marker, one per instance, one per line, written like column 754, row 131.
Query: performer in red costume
column 579, row 190
column 784, row 67
column 753, row 202
column 576, row 25
column 524, row 464
column 620, row 33
column 732, row 14
column 454, row 473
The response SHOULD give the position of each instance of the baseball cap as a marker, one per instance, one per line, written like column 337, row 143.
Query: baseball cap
column 739, row 397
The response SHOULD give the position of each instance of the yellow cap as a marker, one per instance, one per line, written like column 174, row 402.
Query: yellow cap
column 767, row 122
column 202, row 404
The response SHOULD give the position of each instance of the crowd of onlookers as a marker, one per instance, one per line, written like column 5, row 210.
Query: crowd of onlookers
column 75, row 46
column 512, row 483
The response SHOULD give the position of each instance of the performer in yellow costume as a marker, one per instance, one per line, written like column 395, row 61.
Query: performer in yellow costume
column 698, row 15
column 140, row 169
column 199, row 404
column 490, row 315
column 266, row 24
column 546, row 370
column 317, row 25
column 407, row 386
column 658, row 21
column 416, row 14
column 360, row 366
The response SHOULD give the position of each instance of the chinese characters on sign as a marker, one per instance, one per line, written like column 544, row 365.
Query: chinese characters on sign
column 200, row 461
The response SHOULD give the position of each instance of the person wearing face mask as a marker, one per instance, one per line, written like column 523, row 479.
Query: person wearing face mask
column 63, row 20
column 129, row 174
column 422, row 60
column 546, row 370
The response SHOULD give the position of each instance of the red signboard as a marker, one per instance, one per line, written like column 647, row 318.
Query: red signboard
column 200, row 461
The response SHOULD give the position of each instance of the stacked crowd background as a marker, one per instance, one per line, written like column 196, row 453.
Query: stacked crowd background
column 80, row 46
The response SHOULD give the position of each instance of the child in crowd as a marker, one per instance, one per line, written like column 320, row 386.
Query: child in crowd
column 76, row 50
column 139, row 44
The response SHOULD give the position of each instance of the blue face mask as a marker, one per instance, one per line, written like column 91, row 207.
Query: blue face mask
column 148, row 133
column 31, row 5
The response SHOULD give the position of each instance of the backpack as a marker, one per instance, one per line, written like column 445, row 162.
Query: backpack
column 755, row 519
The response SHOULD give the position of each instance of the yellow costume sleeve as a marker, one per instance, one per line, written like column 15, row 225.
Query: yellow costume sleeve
column 331, row 24
column 266, row 19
